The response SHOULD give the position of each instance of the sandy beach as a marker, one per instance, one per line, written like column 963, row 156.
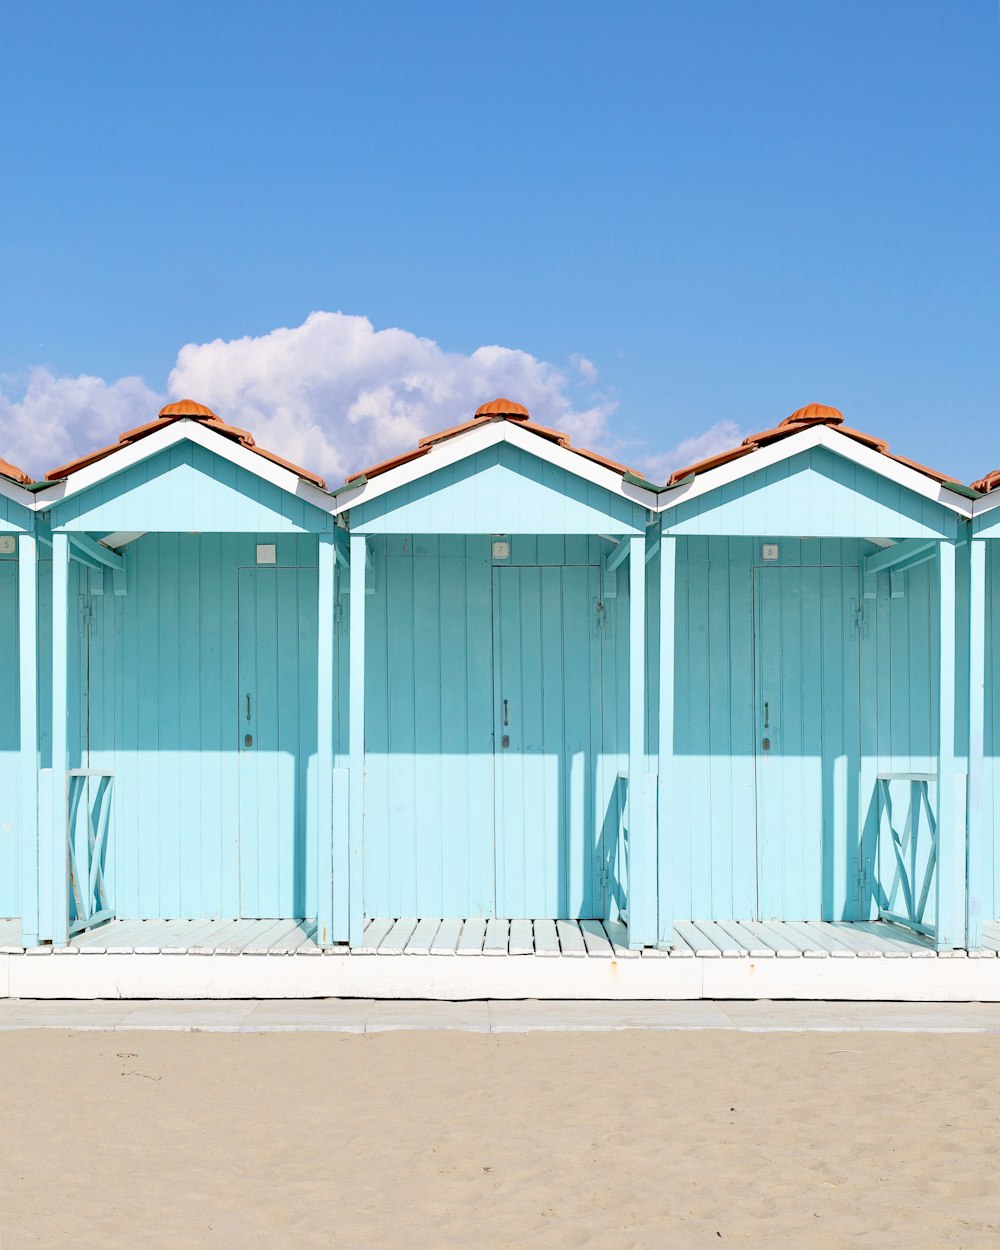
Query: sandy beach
column 430, row 1139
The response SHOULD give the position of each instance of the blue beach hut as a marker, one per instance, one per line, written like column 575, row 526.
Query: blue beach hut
column 193, row 688
column 497, row 753
column 18, row 703
column 810, row 758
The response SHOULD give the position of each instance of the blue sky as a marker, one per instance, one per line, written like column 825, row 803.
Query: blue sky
column 683, row 219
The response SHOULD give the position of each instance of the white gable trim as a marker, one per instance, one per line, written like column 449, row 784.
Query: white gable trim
column 461, row 446
column 986, row 504
column 178, row 432
column 818, row 436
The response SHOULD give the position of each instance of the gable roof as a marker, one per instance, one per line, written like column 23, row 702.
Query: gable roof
column 497, row 410
column 806, row 418
column 183, row 410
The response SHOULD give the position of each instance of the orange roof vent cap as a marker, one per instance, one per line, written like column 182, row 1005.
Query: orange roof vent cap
column 503, row 408
column 815, row 414
column 188, row 408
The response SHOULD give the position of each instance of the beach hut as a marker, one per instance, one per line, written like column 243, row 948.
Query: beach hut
column 18, row 704
column 193, row 687
column 498, row 765
column 810, row 758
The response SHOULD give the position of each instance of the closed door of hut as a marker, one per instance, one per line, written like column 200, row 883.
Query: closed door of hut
column 547, row 741
column 806, row 691
column 278, row 612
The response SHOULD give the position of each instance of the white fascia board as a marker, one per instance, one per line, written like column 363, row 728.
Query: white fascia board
column 819, row 436
column 986, row 504
column 178, row 432
column 470, row 442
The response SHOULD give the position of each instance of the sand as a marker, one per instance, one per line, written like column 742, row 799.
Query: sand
column 617, row 1140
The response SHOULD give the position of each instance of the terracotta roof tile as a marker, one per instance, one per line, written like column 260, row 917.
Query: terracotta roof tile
column 14, row 474
column 503, row 408
column 803, row 419
column 184, row 410
column 495, row 410
column 988, row 483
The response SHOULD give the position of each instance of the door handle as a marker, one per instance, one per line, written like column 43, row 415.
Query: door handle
column 505, row 720
column 767, row 719
column 248, row 707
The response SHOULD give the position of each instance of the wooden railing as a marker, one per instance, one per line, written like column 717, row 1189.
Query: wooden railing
column 621, row 865
column 87, row 823
column 907, row 855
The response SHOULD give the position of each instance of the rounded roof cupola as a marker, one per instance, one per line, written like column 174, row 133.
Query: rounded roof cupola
column 503, row 408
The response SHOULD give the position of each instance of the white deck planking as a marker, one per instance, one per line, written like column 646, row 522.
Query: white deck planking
column 432, row 935
column 544, row 959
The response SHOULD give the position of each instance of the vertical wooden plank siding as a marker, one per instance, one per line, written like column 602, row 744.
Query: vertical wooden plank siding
column 27, row 599
column 666, row 830
column 642, row 846
column 59, row 920
column 991, row 753
column 11, row 804
column 977, row 713
column 357, row 739
column 951, row 840
column 327, row 593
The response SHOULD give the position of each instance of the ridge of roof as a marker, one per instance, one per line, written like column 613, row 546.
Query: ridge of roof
column 803, row 419
column 499, row 410
column 183, row 410
column 14, row 474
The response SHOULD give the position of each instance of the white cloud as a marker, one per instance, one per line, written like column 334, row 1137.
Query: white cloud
column 337, row 394
column 719, row 437
column 58, row 418
column 334, row 394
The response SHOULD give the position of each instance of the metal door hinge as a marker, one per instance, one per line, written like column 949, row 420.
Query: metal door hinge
column 603, row 619
column 859, row 619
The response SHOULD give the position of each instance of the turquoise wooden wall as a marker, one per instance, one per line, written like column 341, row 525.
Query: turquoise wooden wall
column 169, row 665
column 814, row 494
column 432, row 711
column 501, row 490
column 991, row 745
column 882, row 697
column 10, row 827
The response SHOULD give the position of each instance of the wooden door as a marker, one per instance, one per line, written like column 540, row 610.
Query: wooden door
column 276, row 724
column 806, row 675
column 547, row 741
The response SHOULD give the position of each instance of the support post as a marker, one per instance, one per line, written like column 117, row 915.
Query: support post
column 977, row 715
column 359, row 557
column 951, row 839
column 324, row 742
column 642, row 851
column 58, row 863
column 27, row 635
column 665, row 712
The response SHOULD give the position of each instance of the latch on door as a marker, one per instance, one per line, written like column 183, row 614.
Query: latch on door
column 248, row 740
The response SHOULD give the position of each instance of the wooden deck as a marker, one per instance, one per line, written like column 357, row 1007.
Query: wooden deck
column 429, row 958
column 572, row 939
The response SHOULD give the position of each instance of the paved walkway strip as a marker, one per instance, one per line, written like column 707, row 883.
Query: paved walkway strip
column 496, row 1016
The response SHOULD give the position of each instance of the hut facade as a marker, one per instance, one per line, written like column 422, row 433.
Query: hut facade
column 192, row 680
column 810, row 721
column 497, row 681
